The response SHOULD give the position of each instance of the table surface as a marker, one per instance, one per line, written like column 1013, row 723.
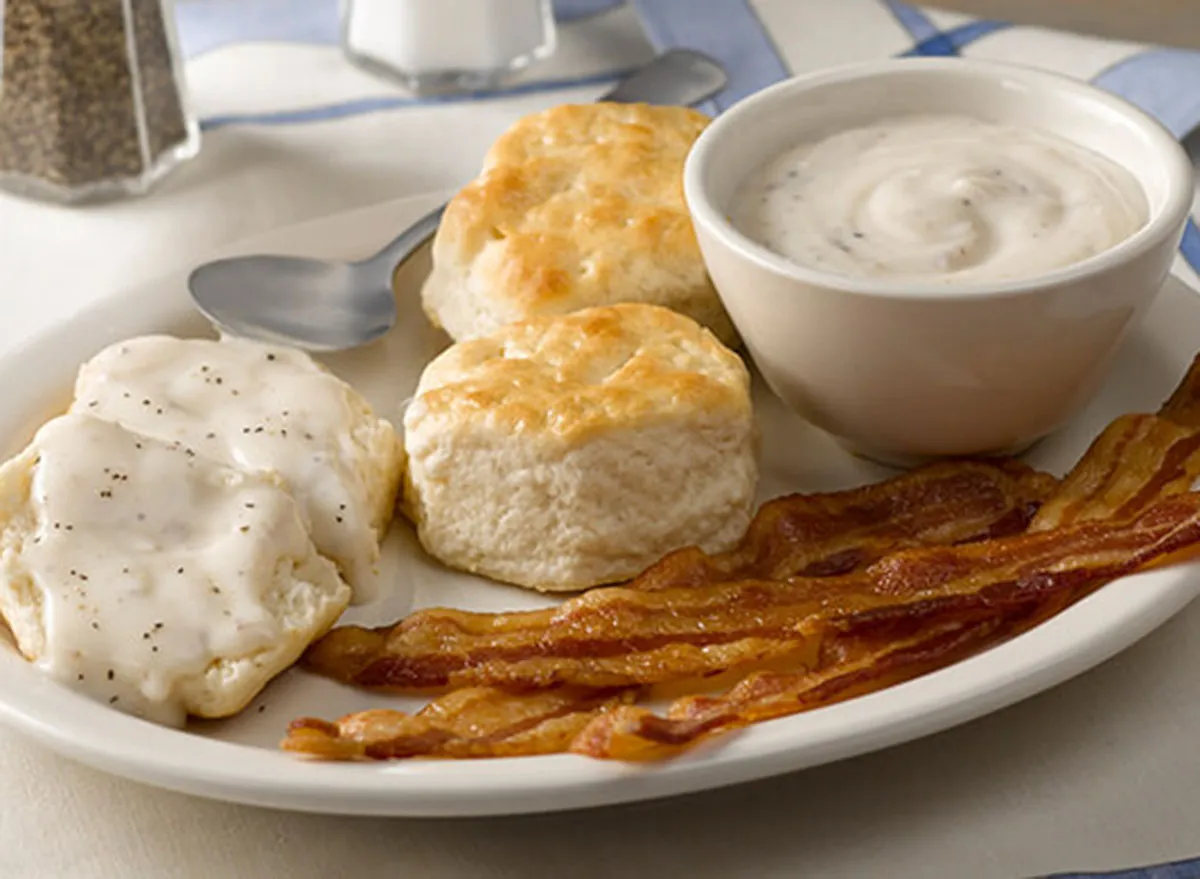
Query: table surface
column 1098, row 773
column 1173, row 22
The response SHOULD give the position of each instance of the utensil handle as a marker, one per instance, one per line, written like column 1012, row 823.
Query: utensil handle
column 677, row 77
column 407, row 242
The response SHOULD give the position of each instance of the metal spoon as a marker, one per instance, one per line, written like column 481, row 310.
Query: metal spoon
column 330, row 306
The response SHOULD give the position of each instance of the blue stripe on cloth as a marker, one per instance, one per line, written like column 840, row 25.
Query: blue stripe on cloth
column 206, row 25
column 1189, row 869
column 727, row 30
column 1190, row 245
column 1161, row 82
column 932, row 42
column 954, row 40
column 361, row 106
column 914, row 21
column 570, row 10
column 1154, row 80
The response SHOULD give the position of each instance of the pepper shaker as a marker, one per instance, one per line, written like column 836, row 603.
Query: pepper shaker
column 92, row 101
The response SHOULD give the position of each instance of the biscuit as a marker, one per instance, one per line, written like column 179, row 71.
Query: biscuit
column 261, row 407
column 577, row 206
column 155, row 581
column 566, row 452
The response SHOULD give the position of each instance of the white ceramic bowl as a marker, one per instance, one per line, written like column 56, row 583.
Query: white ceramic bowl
column 902, row 372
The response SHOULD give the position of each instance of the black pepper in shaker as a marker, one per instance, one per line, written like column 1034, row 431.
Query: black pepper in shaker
column 92, row 102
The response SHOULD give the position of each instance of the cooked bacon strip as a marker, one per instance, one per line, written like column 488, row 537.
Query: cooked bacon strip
column 817, row 535
column 1134, row 463
column 554, row 721
column 850, row 666
column 612, row 637
column 485, row 722
column 472, row 722
column 618, row 637
column 633, row 733
column 867, row 665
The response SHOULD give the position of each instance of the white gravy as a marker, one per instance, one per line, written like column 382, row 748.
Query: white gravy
column 940, row 198
column 253, row 407
column 147, row 563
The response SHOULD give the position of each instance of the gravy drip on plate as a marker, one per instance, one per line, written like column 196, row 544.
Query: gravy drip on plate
column 940, row 198
column 149, row 563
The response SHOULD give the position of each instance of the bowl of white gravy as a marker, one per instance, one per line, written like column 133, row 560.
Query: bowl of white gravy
column 936, row 257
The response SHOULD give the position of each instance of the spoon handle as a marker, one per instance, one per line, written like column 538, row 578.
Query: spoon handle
column 680, row 76
column 403, row 246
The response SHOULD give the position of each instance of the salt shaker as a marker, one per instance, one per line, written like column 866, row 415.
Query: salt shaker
column 92, row 101
column 441, row 46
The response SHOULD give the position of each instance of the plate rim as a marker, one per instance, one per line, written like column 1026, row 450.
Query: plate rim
column 1083, row 636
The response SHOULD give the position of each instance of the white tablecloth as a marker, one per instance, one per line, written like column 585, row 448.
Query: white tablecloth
column 1099, row 773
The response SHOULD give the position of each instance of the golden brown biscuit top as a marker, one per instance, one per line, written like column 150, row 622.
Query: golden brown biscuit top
column 579, row 205
column 574, row 375
column 639, row 133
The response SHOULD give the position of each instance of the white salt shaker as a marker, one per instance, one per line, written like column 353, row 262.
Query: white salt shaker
column 440, row 46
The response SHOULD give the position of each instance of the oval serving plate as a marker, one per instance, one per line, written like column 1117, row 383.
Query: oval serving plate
column 237, row 759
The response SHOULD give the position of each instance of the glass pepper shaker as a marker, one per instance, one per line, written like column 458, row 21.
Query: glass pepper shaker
column 92, row 101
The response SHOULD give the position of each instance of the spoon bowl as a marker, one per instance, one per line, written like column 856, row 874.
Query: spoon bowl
column 322, row 305
column 314, row 304
column 330, row 304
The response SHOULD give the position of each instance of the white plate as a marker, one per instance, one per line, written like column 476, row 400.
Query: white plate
column 237, row 760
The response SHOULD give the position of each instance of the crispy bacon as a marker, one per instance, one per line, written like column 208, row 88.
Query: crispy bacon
column 818, row 535
column 861, row 651
column 1136, row 461
column 553, row 721
column 472, row 722
column 618, row 637
column 633, row 733
column 606, row 638
column 487, row 722
column 858, row 666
